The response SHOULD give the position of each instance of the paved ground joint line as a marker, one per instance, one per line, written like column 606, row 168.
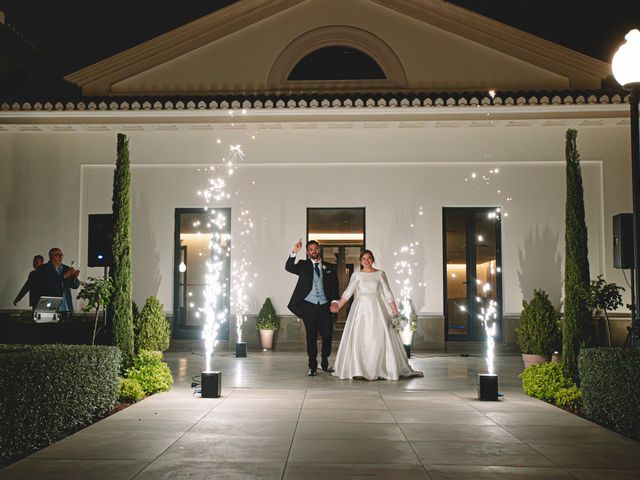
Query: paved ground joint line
column 293, row 437
column 177, row 439
column 404, row 435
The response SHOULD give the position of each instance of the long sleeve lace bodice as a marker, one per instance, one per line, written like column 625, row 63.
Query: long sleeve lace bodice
column 368, row 284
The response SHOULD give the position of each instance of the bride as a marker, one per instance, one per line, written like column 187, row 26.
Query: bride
column 370, row 347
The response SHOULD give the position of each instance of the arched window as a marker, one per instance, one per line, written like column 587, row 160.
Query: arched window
column 337, row 62
column 337, row 58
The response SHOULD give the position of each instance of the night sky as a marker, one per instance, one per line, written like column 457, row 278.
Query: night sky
column 73, row 34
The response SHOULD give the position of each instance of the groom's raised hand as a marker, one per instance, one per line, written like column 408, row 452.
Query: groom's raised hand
column 297, row 246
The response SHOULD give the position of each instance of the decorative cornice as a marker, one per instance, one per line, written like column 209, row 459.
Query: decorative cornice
column 322, row 101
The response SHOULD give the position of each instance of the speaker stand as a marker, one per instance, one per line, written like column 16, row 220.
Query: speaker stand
column 106, row 309
column 632, row 339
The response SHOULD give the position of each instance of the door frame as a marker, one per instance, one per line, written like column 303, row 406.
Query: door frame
column 194, row 332
column 473, row 324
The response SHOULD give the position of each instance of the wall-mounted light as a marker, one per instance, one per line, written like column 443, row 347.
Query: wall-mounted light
column 182, row 267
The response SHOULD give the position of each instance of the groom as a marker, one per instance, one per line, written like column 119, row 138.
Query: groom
column 314, row 299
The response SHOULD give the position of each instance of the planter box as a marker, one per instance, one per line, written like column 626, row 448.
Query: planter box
column 530, row 359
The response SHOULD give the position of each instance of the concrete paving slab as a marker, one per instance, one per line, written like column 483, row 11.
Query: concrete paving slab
column 352, row 451
column 324, row 471
column 480, row 453
column 449, row 472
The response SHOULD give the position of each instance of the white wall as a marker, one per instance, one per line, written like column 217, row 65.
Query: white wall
column 50, row 182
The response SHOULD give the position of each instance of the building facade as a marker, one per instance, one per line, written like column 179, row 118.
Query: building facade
column 451, row 143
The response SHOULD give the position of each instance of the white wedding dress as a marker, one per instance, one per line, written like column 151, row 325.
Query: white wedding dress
column 370, row 347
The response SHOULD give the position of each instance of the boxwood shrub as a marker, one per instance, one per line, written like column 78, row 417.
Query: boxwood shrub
column 548, row 382
column 151, row 373
column 130, row 391
column 610, row 388
column 48, row 392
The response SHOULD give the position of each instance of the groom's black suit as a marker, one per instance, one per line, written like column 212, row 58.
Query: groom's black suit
column 314, row 316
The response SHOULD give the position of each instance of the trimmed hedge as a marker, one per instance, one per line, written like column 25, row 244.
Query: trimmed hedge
column 610, row 388
column 48, row 392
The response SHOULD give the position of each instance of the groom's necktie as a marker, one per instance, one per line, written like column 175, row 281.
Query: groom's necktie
column 317, row 269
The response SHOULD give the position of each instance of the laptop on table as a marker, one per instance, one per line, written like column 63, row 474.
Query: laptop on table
column 46, row 310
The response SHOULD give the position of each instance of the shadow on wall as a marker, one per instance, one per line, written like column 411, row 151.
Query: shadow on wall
column 21, row 188
column 541, row 265
column 144, row 252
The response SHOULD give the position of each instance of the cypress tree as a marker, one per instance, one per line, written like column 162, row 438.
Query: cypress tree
column 577, row 316
column 122, row 299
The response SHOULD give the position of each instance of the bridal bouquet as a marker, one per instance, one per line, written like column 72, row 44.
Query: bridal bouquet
column 399, row 322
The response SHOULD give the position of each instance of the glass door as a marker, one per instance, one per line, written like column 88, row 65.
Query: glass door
column 472, row 266
column 341, row 234
column 192, row 252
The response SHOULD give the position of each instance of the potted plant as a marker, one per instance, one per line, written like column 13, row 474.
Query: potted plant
column 151, row 328
column 539, row 329
column 97, row 292
column 267, row 324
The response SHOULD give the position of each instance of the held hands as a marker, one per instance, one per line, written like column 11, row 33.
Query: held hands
column 334, row 307
column 297, row 246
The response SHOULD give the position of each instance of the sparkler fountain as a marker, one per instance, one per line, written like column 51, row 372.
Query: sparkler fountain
column 488, row 305
column 404, row 267
column 241, row 282
column 213, row 309
column 488, row 382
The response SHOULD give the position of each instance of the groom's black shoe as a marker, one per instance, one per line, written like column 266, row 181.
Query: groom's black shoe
column 325, row 366
column 312, row 372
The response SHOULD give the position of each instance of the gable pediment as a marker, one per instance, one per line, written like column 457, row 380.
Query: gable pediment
column 426, row 45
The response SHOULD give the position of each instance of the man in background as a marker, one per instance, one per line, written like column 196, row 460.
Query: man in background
column 54, row 279
column 29, row 285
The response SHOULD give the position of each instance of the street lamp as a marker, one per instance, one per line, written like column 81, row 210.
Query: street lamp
column 626, row 70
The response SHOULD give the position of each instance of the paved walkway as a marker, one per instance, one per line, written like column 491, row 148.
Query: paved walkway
column 274, row 422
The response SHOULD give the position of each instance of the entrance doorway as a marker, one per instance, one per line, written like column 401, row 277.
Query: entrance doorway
column 341, row 234
column 472, row 269
column 192, row 252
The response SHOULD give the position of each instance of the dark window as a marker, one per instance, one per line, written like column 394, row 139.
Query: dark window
column 337, row 63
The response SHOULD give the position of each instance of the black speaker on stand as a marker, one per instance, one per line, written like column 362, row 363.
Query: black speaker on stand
column 623, row 257
column 99, row 248
column 623, row 241
column 100, row 240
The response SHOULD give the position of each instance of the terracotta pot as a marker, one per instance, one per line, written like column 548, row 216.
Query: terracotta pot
column 556, row 358
column 266, row 339
column 406, row 336
column 529, row 359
